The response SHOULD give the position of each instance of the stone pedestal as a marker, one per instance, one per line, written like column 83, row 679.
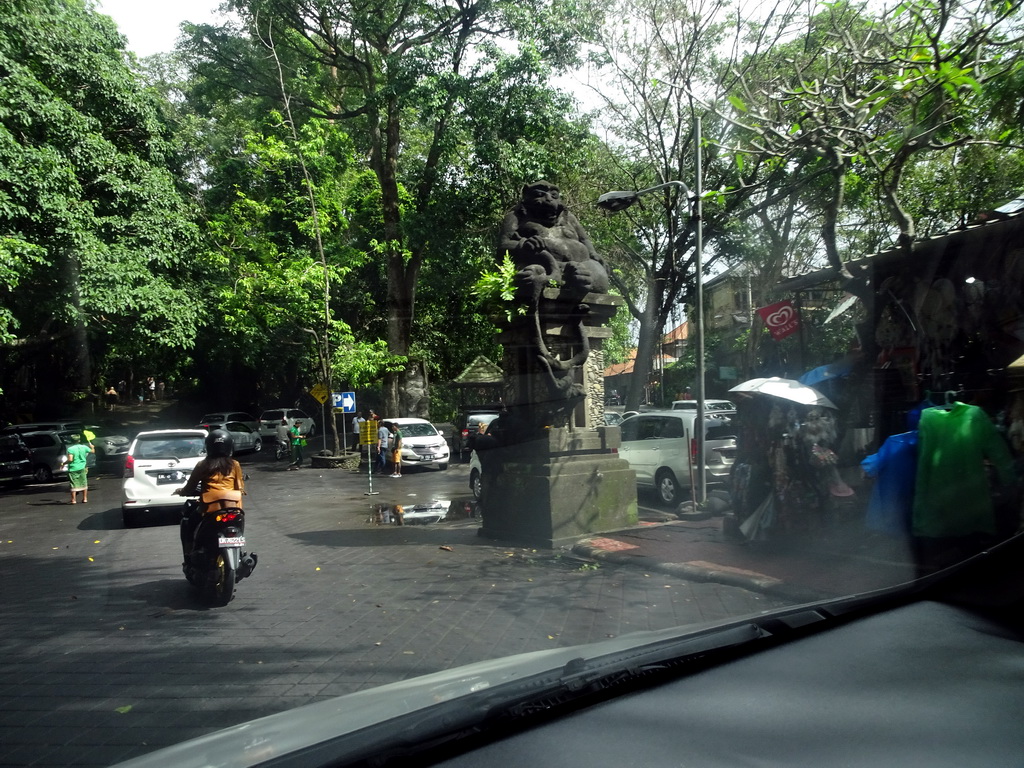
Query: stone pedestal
column 551, row 491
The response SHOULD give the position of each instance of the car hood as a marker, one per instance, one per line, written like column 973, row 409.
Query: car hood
column 344, row 728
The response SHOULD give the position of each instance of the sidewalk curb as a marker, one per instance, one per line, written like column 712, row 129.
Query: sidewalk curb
column 699, row 572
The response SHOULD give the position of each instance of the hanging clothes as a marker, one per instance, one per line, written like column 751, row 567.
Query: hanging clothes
column 892, row 499
column 952, row 496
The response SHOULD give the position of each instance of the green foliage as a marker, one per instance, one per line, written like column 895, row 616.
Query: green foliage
column 496, row 290
column 363, row 363
column 98, row 237
column 263, row 268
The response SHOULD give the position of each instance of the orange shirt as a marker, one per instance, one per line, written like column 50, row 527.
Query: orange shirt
column 217, row 482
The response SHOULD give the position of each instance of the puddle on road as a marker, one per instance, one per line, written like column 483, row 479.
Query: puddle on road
column 423, row 513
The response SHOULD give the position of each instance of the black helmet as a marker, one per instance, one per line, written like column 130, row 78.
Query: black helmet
column 219, row 443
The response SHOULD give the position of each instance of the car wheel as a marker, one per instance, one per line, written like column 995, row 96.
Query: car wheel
column 42, row 474
column 312, row 430
column 667, row 487
column 257, row 446
column 475, row 484
column 128, row 519
column 443, row 466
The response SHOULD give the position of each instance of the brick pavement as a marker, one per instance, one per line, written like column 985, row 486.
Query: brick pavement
column 105, row 654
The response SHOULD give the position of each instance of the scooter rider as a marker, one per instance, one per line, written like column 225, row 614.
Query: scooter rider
column 217, row 472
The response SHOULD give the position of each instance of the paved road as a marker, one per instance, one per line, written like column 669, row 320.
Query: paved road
column 105, row 653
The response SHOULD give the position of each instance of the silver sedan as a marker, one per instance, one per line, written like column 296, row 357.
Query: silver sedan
column 245, row 437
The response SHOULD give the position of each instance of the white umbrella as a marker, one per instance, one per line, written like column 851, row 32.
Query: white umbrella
column 787, row 389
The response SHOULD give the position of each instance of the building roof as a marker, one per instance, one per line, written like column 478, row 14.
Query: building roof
column 679, row 333
column 480, row 373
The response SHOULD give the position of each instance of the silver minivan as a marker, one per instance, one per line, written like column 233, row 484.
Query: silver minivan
column 661, row 449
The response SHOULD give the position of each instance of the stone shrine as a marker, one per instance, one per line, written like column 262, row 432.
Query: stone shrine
column 551, row 472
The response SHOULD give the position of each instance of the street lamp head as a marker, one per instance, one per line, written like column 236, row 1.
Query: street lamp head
column 619, row 201
column 616, row 201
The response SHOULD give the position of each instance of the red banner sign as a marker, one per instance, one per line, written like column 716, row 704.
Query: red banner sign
column 781, row 318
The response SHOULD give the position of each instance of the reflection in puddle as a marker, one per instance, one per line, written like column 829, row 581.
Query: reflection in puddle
column 423, row 513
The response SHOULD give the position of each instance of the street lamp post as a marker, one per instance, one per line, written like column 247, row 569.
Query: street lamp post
column 619, row 201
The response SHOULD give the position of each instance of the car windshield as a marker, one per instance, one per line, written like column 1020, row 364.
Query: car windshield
column 539, row 238
column 418, row 430
column 169, row 447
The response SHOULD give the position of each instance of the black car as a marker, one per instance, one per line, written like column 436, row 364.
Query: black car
column 471, row 422
column 15, row 458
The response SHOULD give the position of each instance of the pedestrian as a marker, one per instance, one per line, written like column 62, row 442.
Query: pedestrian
column 396, row 450
column 383, row 446
column 159, row 390
column 151, row 385
column 111, row 397
column 298, row 441
column 357, row 423
column 78, row 471
column 122, row 390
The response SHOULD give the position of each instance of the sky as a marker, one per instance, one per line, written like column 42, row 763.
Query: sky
column 152, row 26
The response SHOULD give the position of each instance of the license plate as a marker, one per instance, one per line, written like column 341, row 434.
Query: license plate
column 12, row 465
column 169, row 478
column 427, row 457
column 231, row 541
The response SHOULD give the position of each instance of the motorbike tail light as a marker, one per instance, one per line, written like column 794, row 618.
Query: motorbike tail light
column 228, row 517
column 129, row 466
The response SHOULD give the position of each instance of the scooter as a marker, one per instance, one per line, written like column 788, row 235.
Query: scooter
column 214, row 560
column 282, row 449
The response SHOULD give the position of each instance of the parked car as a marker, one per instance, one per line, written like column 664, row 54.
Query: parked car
column 470, row 421
column 57, row 425
column 158, row 463
column 245, row 437
column 222, row 417
column 710, row 406
column 15, row 458
column 612, row 418
column 661, row 449
column 109, row 444
column 422, row 444
column 271, row 419
column 49, row 453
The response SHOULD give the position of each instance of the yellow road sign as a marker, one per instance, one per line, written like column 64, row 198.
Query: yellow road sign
column 319, row 391
column 368, row 432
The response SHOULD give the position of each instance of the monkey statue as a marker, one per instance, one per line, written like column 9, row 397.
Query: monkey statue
column 548, row 245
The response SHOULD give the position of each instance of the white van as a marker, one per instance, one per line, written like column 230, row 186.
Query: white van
column 661, row 449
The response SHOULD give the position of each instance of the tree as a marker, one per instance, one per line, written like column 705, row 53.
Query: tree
column 401, row 72
column 96, row 235
column 658, row 57
column 871, row 95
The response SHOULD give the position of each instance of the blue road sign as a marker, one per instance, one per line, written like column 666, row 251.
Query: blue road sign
column 344, row 400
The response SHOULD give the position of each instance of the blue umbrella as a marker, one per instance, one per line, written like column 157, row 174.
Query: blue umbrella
column 822, row 373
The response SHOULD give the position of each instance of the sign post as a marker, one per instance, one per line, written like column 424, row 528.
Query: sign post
column 319, row 392
column 368, row 437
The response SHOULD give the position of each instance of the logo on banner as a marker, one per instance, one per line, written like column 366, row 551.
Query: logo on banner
column 781, row 318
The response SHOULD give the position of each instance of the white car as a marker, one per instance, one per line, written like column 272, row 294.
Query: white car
column 660, row 448
column 158, row 463
column 711, row 407
column 422, row 444
column 270, row 420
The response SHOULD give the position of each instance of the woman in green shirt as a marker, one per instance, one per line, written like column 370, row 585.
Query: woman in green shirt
column 78, row 473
